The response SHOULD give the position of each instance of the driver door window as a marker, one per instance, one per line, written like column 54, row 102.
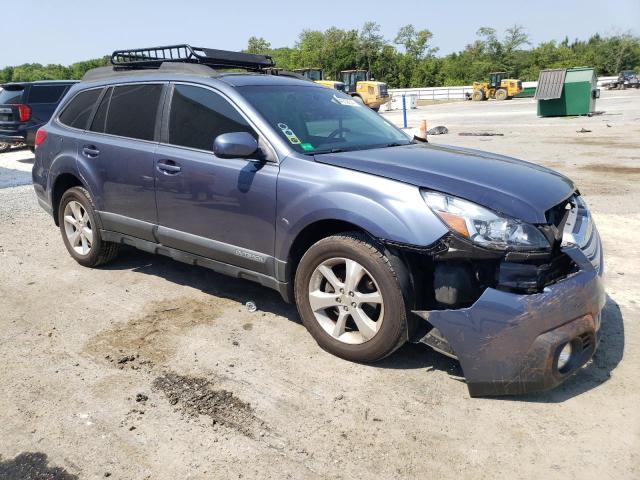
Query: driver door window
column 198, row 116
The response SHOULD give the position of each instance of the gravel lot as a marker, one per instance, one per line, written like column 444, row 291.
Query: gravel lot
column 151, row 369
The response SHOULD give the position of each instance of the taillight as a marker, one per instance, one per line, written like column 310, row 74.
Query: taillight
column 41, row 136
column 24, row 113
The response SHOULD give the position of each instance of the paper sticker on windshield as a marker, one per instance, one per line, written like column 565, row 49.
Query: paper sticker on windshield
column 344, row 101
column 307, row 147
column 292, row 137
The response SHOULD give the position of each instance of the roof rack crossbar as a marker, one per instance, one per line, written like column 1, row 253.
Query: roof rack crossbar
column 153, row 57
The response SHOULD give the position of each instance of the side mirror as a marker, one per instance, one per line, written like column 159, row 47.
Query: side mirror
column 235, row 145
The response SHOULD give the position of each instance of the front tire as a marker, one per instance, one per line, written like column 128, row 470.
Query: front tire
column 4, row 147
column 350, row 298
column 80, row 229
column 477, row 96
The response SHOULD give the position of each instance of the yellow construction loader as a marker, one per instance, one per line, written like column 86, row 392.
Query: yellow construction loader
column 499, row 87
column 361, row 87
column 317, row 75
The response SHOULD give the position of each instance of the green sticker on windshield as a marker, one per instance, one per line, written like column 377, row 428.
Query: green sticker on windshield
column 306, row 147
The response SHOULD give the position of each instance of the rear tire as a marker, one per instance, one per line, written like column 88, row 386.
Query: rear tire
column 4, row 147
column 359, row 314
column 80, row 229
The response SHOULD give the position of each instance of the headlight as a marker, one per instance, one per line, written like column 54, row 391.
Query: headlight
column 483, row 226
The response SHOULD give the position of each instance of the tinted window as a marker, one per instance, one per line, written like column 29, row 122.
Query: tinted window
column 132, row 111
column 46, row 94
column 199, row 115
column 11, row 95
column 100, row 118
column 77, row 113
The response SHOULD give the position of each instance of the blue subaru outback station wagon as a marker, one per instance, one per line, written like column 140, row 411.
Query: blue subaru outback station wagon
column 378, row 238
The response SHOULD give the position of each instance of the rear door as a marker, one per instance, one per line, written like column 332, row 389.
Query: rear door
column 117, row 153
column 222, row 209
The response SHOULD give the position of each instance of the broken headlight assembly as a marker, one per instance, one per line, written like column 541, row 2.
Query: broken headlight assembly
column 485, row 227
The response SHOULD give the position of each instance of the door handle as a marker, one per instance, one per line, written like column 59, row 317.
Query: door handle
column 90, row 151
column 169, row 167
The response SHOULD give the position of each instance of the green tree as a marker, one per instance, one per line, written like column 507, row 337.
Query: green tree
column 371, row 43
column 258, row 45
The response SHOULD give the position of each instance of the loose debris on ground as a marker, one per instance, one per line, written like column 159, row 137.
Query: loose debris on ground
column 132, row 361
column 439, row 130
column 197, row 396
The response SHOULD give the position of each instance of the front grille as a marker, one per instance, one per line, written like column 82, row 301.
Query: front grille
column 580, row 230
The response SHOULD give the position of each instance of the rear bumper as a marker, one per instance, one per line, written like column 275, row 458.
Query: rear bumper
column 508, row 344
column 12, row 138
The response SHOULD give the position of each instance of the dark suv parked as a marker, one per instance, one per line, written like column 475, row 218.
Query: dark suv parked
column 378, row 239
column 25, row 107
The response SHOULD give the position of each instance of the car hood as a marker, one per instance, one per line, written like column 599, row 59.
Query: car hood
column 516, row 188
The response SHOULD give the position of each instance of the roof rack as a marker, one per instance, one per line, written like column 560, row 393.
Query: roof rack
column 153, row 57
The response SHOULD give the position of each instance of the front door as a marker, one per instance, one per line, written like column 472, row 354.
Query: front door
column 223, row 209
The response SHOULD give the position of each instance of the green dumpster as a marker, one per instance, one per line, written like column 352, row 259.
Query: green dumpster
column 562, row 92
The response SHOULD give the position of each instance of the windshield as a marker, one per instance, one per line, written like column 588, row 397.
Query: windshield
column 11, row 95
column 360, row 76
column 321, row 120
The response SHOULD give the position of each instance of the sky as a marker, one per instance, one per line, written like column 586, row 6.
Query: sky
column 67, row 31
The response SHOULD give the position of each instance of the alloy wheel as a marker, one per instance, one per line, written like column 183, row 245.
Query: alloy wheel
column 78, row 228
column 346, row 301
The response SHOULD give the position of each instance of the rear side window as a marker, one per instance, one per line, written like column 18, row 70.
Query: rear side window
column 11, row 95
column 46, row 93
column 133, row 110
column 199, row 115
column 77, row 113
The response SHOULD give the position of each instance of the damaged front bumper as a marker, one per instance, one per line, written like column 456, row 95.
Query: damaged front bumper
column 509, row 343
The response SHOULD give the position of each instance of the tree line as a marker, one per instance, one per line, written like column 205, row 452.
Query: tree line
column 411, row 58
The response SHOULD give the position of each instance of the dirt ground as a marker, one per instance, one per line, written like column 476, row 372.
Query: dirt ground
column 152, row 369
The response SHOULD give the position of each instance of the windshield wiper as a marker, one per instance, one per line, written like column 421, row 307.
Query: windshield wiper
column 331, row 150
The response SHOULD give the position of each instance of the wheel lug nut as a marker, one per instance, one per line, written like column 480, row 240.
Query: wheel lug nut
column 353, row 304
column 351, row 294
column 339, row 300
column 345, row 308
column 342, row 290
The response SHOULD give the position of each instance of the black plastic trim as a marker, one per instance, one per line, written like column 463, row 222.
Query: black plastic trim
column 193, row 259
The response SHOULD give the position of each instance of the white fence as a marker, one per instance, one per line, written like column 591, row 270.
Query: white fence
column 433, row 93
column 457, row 93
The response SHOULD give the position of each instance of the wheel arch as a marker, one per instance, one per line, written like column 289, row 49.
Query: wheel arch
column 61, row 184
column 313, row 233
